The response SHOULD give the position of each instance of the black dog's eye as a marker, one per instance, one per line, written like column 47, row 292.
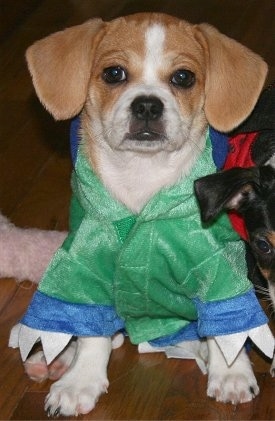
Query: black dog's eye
column 114, row 74
column 183, row 78
column 263, row 246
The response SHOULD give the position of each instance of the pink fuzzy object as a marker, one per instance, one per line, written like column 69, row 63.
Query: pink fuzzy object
column 26, row 252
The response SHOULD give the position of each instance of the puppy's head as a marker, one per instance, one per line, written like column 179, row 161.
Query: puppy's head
column 146, row 82
column 251, row 192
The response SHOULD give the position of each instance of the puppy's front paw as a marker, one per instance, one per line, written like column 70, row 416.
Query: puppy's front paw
column 233, row 383
column 234, row 388
column 37, row 369
column 73, row 399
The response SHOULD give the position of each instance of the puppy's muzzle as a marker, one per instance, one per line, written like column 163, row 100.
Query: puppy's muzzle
column 146, row 119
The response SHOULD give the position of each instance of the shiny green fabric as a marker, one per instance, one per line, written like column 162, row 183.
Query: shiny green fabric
column 149, row 266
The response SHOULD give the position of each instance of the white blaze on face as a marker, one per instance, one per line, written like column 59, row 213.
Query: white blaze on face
column 154, row 47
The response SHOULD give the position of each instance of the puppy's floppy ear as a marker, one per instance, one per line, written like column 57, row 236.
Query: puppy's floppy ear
column 60, row 67
column 225, row 190
column 234, row 79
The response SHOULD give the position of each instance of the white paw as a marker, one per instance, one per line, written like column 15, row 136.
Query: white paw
column 69, row 398
column 36, row 367
column 234, row 388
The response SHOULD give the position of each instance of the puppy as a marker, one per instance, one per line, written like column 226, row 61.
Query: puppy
column 251, row 192
column 146, row 87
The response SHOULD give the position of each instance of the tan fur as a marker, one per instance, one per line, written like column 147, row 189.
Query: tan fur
column 271, row 237
column 61, row 65
column 234, row 79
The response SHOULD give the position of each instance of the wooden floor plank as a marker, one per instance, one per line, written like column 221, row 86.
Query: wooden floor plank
column 13, row 381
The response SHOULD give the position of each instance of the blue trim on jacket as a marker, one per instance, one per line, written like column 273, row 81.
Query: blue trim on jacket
column 233, row 315
column 56, row 315
column 215, row 318
column 220, row 147
column 74, row 137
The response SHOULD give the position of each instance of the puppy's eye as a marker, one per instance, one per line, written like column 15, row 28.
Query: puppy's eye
column 263, row 246
column 183, row 78
column 114, row 74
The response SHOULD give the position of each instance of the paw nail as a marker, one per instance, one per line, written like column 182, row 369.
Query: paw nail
column 252, row 391
column 57, row 412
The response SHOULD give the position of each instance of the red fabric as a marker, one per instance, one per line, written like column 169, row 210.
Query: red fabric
column 240, row 151
column 240, row 156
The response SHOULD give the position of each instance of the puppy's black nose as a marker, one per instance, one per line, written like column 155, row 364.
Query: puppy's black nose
column 147, row 108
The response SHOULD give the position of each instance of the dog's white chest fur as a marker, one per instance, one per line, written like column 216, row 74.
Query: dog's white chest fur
column 134, row 178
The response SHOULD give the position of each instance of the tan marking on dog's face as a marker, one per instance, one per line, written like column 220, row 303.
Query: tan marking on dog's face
column 271, row 237
column 150, row 51
column 265, row 272
column 122, row 46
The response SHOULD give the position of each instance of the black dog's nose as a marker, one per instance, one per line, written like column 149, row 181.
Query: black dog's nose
column 147, row 108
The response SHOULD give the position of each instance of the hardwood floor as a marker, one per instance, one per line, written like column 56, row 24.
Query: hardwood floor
column 35, row 191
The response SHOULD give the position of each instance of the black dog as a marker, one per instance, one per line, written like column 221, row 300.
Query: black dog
column 250, row 192
column 247, row 187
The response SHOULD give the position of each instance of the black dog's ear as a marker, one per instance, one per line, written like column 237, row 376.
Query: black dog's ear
column 224, row 190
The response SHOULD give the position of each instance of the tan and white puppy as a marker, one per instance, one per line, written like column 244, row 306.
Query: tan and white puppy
column 146, row 86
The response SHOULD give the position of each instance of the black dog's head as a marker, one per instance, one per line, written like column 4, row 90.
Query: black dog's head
column 250, row 192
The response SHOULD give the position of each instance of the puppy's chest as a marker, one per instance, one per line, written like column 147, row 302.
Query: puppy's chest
column 134, row 180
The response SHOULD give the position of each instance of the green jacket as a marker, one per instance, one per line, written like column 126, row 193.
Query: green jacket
column 153, row 274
